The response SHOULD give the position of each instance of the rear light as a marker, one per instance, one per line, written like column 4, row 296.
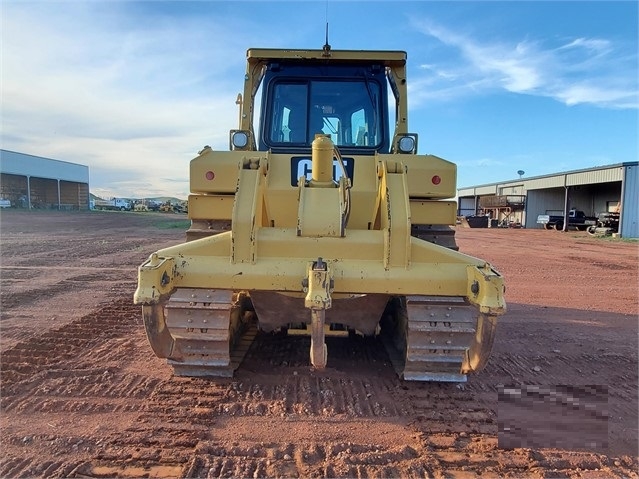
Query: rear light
column 436, row 179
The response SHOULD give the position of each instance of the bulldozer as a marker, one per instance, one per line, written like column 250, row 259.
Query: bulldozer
column 166, row 207
column 322, row 219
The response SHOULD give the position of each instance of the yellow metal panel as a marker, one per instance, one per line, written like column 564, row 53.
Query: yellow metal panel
column 433, row 212
column 486, row 289
column 368, row 244
column 281, row 197
column 211, row 207
column 433, row 270
column 216, row 171
column 247, row 216
column 398, row 211
column 318, row 283
column 320, row 212
column 387, row 57
column 422, row 169
column 154, row 281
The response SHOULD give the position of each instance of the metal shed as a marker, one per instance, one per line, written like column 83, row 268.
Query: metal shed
column 592, row 190
column 29, row 181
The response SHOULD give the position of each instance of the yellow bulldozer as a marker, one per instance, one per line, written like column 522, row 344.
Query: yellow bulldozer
column 321, row 218
column 166, row 207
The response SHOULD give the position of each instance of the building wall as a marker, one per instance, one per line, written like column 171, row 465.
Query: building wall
column 512, row 190
column 44, row 193
column 606, row 197
column 582, row 197
column 466, row 206
column 629, row 227
column 74, row 196
column 595, row 176
column 541, row 202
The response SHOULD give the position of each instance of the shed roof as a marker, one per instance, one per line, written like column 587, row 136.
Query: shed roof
column 597, row 174
column 14, row 163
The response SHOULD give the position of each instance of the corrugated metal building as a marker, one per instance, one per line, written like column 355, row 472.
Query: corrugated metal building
column 29, row 181
column 592, row 190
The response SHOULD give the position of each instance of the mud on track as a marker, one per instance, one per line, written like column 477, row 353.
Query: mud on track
column 83, row 396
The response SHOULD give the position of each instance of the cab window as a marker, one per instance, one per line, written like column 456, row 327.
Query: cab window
column 348, row 110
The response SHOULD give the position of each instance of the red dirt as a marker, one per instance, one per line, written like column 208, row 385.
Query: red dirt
column 82, row 395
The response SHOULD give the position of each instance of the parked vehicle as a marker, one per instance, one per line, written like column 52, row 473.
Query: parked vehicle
column 5, row 203
column 576, row 219
column 607, row 224
column 112, row 204
column 182, row 207
column 153, row 205
column 166, row 207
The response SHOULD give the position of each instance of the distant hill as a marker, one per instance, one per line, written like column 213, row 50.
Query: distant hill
column 164, row 199
column 158, row 199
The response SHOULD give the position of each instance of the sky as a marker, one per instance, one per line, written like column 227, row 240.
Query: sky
column 135, row 89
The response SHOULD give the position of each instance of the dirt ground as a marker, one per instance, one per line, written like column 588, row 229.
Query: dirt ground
column 82, row 395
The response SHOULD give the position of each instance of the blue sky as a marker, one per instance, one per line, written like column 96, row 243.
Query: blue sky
column 135, row 89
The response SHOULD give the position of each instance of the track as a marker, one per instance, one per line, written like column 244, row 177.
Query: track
column 208, row 332
column 433, row 338
column 201, row 332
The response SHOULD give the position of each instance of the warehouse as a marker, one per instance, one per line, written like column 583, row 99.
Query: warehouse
column 602, row 189
column 33, row 182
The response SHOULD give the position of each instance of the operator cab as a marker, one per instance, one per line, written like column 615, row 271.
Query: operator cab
column 346, row 101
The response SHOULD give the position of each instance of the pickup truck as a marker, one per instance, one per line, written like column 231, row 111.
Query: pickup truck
column 576, row 219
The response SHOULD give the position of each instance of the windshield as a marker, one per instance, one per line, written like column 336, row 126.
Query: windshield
column 348, row 110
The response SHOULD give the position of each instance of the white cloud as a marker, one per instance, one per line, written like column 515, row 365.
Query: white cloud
column 594, row 44
column 586, row 92
column 440, row 72
column 583, row 70
column 82, row 83
column 481, row 163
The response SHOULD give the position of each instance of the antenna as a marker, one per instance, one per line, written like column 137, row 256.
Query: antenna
column 326, row 48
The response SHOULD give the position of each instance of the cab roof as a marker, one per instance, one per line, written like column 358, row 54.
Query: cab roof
column 385, row 57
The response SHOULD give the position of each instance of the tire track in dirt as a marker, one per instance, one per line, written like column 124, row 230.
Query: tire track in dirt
column 34, row 294
column 62, row 345
column 56, row 249
column 314, row 460
column 28, row 467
